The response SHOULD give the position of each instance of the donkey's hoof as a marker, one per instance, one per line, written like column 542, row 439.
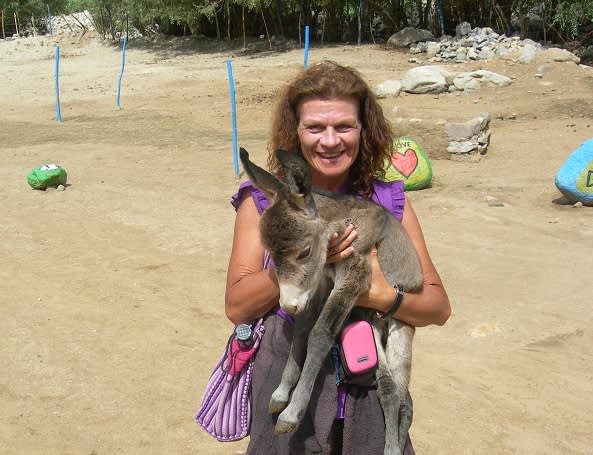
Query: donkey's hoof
column 277, row 403
column 276, row 406
column 284, row 427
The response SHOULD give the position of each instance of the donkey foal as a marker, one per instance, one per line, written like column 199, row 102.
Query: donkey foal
column 296, row 230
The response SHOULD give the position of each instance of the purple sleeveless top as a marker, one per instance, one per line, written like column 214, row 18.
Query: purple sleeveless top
column 388, row 194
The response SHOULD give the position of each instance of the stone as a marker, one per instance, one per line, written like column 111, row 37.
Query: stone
column 463, row 29
column 527, row 53
column 462, row 131
column 486, row 54
column 409, row 35
column 424, row 79
column 468, row 140
column 575, row 177
column 409, row 164
column 432, row 49
column 388, row 88
column 560, row 55
column 484, row 78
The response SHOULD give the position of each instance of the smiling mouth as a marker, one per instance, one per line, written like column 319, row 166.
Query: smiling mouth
column 330, row 157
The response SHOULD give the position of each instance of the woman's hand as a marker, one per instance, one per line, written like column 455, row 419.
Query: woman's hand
column 380, row 294
column 340, row 245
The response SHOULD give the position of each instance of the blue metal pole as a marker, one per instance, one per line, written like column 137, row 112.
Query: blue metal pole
column 306, row 48
column 49, row 19
column 58, row 109
column 233, row 116
column 123, row 65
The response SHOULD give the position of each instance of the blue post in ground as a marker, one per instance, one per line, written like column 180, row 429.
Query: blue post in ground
column 123, row 65
column 306, row 48
column 49, row 19
column 58, row 109
column 233, row 116
column 441, row 16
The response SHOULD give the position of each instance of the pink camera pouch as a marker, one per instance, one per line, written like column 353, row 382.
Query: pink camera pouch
column 238, row 358
column 358, row 352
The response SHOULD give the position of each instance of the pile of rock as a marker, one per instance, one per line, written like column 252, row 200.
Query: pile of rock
column 72, row 23
column 467, row 44
column 477, row 44
column 469, row 140
column 437, row 79
column 82, row 22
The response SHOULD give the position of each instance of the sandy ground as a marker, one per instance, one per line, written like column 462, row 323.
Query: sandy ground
column 112, row 291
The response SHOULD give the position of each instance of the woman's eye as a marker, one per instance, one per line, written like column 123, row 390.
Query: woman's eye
column 315, row 129
column 346, row 128
column 304, row 252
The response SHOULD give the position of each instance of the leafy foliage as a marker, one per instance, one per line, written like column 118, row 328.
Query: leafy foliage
column 570, row 15
column 330, row 20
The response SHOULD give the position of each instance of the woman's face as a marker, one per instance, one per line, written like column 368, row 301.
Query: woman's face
column 329, row 133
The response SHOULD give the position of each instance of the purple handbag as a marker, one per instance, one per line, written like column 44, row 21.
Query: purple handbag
column 225, row 410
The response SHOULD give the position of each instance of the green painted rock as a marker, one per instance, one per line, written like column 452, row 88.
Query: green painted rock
column 47, row 175
column 410, row 164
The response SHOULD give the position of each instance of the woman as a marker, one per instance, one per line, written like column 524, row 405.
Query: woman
column 329, row 115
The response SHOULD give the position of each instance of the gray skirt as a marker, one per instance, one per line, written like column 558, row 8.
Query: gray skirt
column 362, row 432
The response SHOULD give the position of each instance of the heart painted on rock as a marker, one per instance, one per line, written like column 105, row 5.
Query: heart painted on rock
column 405, row 163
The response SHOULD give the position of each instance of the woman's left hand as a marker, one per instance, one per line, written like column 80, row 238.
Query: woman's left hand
column 380, row 293
column 340, row 245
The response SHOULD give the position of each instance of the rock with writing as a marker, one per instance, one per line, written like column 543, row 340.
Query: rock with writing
column 410, row 164
column 575, row 178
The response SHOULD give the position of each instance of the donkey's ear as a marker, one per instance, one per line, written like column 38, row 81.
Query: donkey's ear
column 296, row 171
column 298, row 177
column 261, row 178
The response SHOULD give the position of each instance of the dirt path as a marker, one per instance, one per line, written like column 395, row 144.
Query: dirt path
column 112, row 291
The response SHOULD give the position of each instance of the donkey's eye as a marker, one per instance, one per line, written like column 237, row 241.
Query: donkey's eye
column 304, row 252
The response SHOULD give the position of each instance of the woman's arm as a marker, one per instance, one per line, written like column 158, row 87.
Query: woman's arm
column 430, row 305
column 251, row 291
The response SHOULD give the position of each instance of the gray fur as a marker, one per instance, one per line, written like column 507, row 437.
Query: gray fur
column 296, row 230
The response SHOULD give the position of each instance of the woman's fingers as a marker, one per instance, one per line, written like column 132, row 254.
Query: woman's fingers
column 340, row 245
column 341, row 241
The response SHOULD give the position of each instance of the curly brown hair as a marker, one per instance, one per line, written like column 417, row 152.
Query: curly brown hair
column 327, row 80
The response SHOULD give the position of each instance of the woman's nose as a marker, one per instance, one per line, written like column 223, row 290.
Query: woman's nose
column 330, row 137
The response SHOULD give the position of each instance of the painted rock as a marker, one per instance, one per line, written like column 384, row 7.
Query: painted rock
column 410, row 164
column 575, row 177
column 47, row 175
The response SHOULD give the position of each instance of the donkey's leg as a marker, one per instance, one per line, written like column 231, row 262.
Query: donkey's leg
column 319, row 344
column 399, row 358
column 388, row 398
column 292, row 370
column 406, row 413
column 333, row 315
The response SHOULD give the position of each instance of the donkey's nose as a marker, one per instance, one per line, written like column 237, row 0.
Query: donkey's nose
column 293, row 300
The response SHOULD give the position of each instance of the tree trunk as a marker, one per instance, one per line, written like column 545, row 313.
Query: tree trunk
column 16, row 23
column 218, row 36
column 228, row 19
column 243, row 25
column 265, row 26
column 360, row 14
column 503, row 18
column 278, row 12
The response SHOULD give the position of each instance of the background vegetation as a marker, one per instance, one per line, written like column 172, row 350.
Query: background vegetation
column 560, row 21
